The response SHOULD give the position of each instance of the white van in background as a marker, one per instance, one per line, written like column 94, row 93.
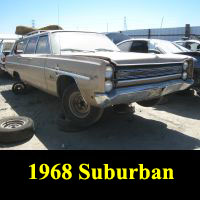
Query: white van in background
column 7, row 42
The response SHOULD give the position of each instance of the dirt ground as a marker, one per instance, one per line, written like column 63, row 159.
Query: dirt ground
column 172, row 126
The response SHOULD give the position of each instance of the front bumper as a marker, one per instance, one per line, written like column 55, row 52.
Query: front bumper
column 141, row 93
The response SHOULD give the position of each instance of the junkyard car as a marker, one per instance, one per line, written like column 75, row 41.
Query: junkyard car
column 117, row 37
column 5, row 48
column 89, row 73
column 193, row 45
column 163, row 47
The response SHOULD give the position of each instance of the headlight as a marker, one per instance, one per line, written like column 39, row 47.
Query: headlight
column 109, row 72
column 185, row 65
column 108, row 86
column 185, row 76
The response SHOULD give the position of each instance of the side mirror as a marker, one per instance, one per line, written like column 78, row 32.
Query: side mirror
column 154, row 51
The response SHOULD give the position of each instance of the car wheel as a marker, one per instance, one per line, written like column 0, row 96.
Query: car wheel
column 19, row 88
column 64, row 124
column 123, row 109
column 77, row 111
column 16, row 129
column 187, row 92
column 1, row 72
column 149, row 103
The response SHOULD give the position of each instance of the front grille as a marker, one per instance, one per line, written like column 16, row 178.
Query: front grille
column 148, row 72
column 140, row 75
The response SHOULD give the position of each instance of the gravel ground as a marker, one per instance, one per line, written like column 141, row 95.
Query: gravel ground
column 172, row 126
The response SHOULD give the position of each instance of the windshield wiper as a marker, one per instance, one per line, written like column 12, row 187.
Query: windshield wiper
column 75, row 50
column 102, row 49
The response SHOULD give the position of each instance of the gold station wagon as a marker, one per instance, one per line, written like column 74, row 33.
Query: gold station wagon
column 89, row 73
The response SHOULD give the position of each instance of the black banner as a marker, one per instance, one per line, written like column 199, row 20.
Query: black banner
column 100, row 167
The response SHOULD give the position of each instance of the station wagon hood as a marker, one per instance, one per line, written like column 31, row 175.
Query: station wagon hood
column 123, row 58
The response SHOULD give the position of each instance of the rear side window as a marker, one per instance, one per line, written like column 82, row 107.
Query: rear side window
column 31, row 46
column 43, row 45
column 139, row 47
column 126, row 46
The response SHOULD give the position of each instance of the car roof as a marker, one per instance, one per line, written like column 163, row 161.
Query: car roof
column 8, row 40
column 196, row 41
column 143, row 39
column 55, row 31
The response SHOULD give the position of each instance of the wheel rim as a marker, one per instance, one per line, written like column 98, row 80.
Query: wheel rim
column 78, row 106
column 12, row 124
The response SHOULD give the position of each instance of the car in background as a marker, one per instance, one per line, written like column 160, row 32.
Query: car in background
column 117, row 37
column 163, row 47
column 193, row 45
column 5, row 49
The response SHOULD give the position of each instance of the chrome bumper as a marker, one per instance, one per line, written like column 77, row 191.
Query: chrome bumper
column 141, row 93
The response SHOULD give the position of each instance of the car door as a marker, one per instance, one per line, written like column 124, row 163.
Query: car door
column 13, row 61
column 38, row 62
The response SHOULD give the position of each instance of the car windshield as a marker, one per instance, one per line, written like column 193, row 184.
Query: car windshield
column 84, row 42
column 169, row 47
column 183, row 49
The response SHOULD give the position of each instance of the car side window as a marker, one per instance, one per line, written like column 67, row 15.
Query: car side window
column 31, row 46
column 20, row 46
column 192, row 46
column 126, row 46
column 140, row 47
column 43, row 46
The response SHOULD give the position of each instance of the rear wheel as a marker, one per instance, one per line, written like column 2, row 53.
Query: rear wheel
column 123, row 109
column 77, row 112
column 149, row 103
column 19, row 88
column 1, row 72
column 188, row 92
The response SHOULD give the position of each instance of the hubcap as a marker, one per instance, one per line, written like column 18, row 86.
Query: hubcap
column 78, row 106
column 11, row 124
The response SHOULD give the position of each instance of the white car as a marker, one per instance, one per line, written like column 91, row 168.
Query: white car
column 193, row 45
column 5, row 49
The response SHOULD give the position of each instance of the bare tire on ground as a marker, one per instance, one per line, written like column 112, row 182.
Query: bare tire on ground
column 16, row 129
column 77, row 112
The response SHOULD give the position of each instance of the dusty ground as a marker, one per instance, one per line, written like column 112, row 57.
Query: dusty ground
column 175, row 125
